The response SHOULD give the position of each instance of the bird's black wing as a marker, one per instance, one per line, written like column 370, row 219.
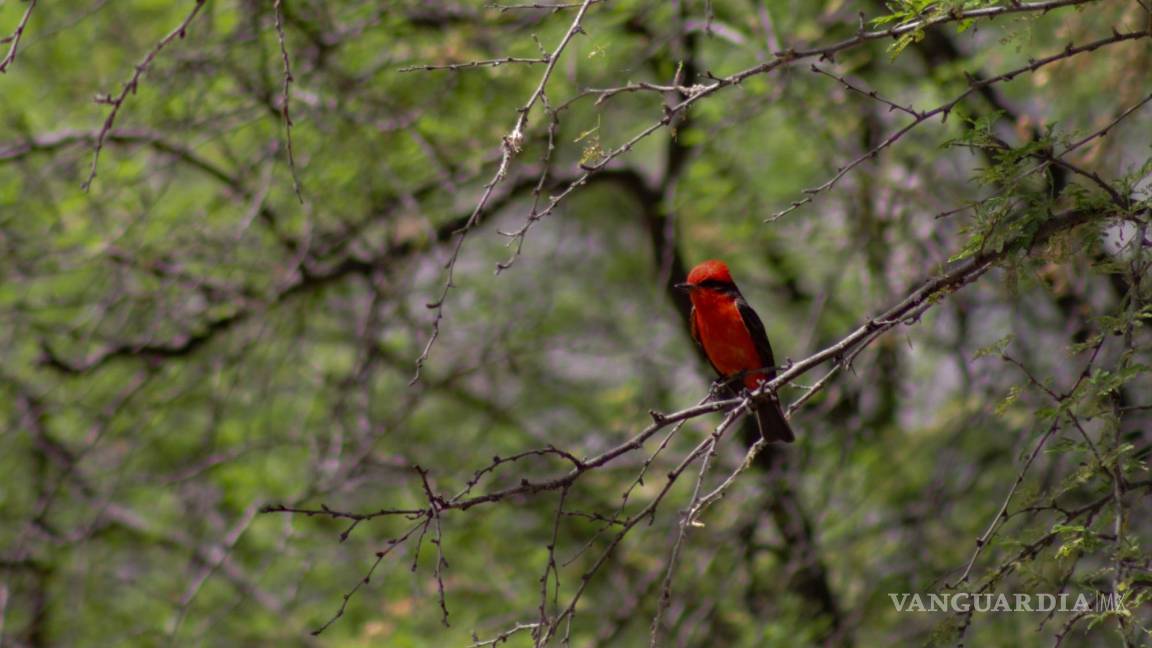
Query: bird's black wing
column 759, row 335
column 773, row 425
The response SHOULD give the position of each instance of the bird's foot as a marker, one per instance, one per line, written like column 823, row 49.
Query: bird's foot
column 717, row 388
column 724, row 385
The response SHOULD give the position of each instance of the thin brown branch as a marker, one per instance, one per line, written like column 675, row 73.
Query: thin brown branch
column 540, row 6
column 324, row 511
column 284, row 100
column 647, row 512
column 510, row 147
column 392, row 544
column 503, row 636
column 130, row 87
column 857, row 87
column 469, row 65
column 435, row 503
column 1002, row 513
column 10, row 57
column 687, row 520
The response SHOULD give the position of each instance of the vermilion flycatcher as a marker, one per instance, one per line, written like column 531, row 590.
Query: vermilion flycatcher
column 733, row 338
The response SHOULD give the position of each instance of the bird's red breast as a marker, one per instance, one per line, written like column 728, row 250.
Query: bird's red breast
column 720, row 329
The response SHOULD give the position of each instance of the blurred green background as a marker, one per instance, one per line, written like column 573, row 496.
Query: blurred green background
column 186, row 342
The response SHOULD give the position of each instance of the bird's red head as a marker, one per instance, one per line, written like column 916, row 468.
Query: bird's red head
column 711, row 272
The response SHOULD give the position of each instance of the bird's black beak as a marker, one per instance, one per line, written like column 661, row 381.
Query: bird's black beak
column 683, row 287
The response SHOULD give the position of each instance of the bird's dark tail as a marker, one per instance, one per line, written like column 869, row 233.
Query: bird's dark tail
column 773, row 425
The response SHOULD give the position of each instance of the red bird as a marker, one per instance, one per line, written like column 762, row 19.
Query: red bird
column 733, row 338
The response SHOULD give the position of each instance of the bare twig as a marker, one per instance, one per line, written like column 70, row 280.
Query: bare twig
column 327, row 512
column 367, row 578
column 1002, row 514
column 550, row 568
column 650, row 510
column 687, row 520
column 10, row 57
column 434, row 503
column 117, row 102
column 503, row 636
column 541, row 6
column 284, row 100
column 510, row 147
column 857, row 87
column 473, row 64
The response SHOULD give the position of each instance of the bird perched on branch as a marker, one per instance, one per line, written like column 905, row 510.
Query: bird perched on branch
column 733, row 338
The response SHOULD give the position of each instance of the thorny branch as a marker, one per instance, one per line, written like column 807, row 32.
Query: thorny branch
column 14, row 39
column 117, row 102
column 687, row 520
column 474, row 64
column 510, row 147
column 1002, row 514
column 284, row 107
column 542, row 6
